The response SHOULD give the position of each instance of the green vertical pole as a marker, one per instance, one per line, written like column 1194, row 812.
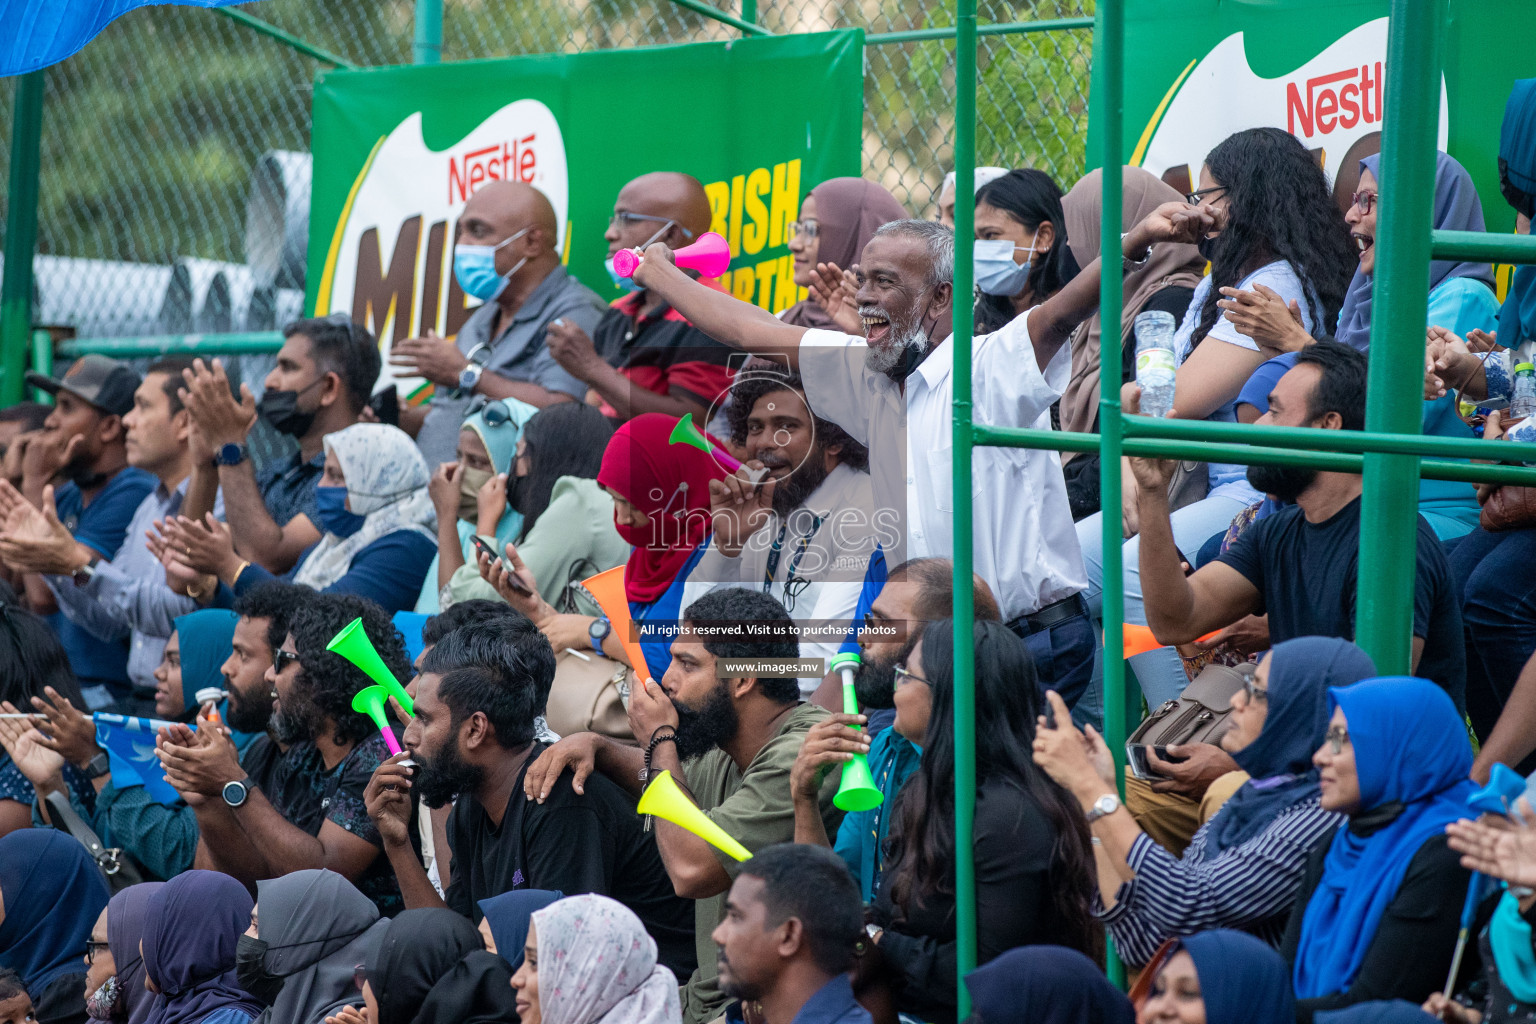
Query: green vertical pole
column 20, row 237
column 1109, row 99
column 964, row 612
column 428, row 45
column 42, row 362
column 749, row 12
column 1399, row 304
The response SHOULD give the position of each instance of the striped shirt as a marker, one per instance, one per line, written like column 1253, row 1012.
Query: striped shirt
column 1251, row 886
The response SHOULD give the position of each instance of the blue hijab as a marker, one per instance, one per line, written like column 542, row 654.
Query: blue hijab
column 53, row 893
column 194, row 923
column 1517, row 148
column 206, row 637
column 1279, row 762
column 1457, row 208
column 1242, row 980
column 1046, row 985
column 509, row 914
column 1410, row 748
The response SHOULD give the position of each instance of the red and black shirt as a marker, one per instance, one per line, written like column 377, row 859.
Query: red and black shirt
column 662, row 352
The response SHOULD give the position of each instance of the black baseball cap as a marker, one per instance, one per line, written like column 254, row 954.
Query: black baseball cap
column 99, row 381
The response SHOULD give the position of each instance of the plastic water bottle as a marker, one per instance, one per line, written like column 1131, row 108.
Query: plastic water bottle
column 1522, row 404
column 1155, row 367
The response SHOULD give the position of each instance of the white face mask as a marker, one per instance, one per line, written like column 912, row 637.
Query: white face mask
column 996, row 271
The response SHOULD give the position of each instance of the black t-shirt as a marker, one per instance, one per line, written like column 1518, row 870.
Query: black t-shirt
column 1306, row 575
column 308, row 795
column 572, row 844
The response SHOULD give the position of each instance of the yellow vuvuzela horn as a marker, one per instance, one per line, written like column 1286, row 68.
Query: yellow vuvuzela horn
column 665, row 799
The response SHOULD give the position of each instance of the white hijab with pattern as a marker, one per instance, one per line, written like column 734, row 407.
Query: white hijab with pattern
column 386, row 483
column 597, row 965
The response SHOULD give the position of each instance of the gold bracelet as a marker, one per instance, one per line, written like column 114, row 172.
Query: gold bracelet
column 205, row 586
column 236, row 577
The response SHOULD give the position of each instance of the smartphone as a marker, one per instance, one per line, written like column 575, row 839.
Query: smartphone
column 1141, row 767
column 513, row 579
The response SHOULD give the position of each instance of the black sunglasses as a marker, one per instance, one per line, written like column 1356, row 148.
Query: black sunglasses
column 282, row 658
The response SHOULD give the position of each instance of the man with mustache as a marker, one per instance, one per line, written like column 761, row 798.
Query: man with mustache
column 918, row 592
column 728, row 740
column 803, row 534
column 893, row 390
column 1299, row 565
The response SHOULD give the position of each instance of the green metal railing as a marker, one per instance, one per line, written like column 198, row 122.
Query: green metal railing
column 1389, row 452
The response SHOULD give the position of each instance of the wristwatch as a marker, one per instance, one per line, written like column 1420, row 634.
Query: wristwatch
column 469, row 377
column 235, row 793
column 231, row 454
column 97, row 766
column 597, row 632
column 86, row 572
column 1105, row 805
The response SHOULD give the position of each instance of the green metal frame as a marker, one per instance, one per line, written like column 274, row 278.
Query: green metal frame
column 20, row 236
column 1389, row 452
column 287, row 38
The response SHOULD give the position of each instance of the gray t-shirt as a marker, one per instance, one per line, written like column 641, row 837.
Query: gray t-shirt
column 519, row 353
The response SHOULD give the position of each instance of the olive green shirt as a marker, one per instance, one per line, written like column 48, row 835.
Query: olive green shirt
column 756, row 808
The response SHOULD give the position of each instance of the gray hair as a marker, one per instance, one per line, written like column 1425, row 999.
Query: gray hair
column 939, row 240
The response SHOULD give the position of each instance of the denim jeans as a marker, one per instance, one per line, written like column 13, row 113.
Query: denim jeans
column 1496, row 587
column 1160, row 671
column 1063, row 653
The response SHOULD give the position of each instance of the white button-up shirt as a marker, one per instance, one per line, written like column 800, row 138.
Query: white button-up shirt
column 827, row 547
column 1024, row 542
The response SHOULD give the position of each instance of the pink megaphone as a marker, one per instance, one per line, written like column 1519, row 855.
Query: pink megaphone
column 710, row 255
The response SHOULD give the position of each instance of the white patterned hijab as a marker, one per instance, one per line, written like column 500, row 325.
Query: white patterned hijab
column 386, row 483
column 597, row 965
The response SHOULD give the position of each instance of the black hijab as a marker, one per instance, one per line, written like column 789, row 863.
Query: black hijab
column 432, row 968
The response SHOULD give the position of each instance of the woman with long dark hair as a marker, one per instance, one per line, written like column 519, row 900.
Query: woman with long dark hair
column 1034, row 864
column 1021, row 254
column 566, row 528
column 1276, row 225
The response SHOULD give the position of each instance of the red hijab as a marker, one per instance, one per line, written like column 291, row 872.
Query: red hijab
column 669, row 483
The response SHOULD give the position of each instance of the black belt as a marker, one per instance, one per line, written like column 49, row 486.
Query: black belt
column 1055, row 614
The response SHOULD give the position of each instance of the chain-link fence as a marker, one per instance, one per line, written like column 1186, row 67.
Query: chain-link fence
column 163, row 140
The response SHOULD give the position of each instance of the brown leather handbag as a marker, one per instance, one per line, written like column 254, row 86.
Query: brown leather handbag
column 1509, row 508
column 1202, row 714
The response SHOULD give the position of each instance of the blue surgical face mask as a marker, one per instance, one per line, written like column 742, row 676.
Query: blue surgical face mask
column 624, row 284
column 996, row 271
column 474, row 267
column 334, row 517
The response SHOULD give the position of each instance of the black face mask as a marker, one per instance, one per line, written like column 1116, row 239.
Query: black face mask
column 518, row 492
column 251, row 971
column 281, row 411
column 1523, row 202
column 1207, row 247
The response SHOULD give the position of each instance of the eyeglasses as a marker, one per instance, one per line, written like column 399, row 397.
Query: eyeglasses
column 1364, row 200
column 494, row 411
column 1336, row 738
column 624, row 219
column 903, row 677
column 1249, row 673
column 282, row 659
column 1196, row 196
column 92, row 948
column 805, row 227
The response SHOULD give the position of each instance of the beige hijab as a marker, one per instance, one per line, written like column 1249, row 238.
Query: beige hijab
column 1168, row 265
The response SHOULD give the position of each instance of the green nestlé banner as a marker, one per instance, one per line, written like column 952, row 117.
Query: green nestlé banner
column 398, row 151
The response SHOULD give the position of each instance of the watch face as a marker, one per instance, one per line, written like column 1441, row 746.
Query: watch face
column 234, row 793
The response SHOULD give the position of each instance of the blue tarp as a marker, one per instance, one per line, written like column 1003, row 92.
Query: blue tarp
column 37, row 33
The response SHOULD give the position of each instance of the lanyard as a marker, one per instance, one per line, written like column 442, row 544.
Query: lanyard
column 794, row 563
